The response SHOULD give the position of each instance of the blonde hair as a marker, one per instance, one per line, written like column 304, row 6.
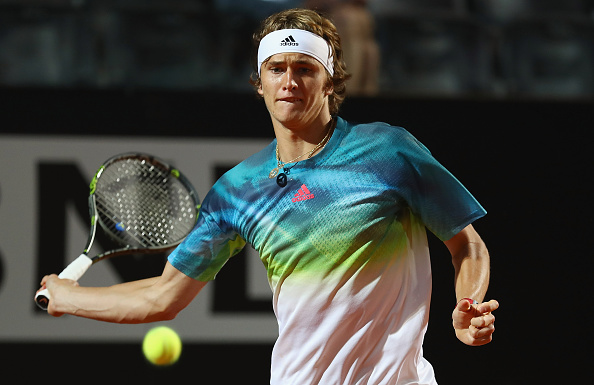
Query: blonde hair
column 314, row 22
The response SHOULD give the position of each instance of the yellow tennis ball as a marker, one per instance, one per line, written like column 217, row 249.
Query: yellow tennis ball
column 162, row 346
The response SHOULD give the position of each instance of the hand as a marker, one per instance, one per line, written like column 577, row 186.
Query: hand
column 474, row 324
column 54, row 284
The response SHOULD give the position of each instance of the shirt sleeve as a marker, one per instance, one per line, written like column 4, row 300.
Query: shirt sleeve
column 441, row 201
column 210, row 244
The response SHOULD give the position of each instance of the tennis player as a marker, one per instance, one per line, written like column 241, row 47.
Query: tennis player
column 338, row 213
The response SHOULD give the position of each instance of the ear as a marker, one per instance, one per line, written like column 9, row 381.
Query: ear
column 329, row 90
column 260, row 91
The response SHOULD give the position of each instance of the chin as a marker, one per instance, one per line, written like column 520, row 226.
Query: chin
column 290, row 119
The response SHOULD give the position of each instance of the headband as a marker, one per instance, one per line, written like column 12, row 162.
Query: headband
column 295, row 40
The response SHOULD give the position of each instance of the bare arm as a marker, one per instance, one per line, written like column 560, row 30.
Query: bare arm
column 473, row 323
column 471, row 261
column 153, row 299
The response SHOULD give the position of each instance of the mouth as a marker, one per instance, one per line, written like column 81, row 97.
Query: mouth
column 290, row 100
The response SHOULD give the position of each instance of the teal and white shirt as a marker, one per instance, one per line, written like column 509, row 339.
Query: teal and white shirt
column 345, row 249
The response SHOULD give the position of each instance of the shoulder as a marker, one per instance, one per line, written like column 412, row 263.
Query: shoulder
column 383, row 134
column 248, row 170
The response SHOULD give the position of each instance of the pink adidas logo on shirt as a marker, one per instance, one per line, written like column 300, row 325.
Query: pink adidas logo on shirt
column 303, row 194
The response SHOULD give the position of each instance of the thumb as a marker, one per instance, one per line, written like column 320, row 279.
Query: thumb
column 465, row 305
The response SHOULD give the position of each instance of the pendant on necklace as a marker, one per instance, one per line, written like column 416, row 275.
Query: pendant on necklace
column 274, row 172
column 281, row 180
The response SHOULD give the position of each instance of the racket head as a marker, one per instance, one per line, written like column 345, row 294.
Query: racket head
column 143, row 203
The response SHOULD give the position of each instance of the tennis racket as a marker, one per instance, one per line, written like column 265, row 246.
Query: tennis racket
column 144, row 204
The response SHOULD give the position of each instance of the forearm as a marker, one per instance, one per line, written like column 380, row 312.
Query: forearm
column 128, row 302
column 472, row 271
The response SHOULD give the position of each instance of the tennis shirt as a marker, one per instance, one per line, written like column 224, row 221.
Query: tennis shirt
column 345, row 249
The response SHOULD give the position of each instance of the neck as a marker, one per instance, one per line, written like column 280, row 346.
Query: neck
column 295, row 142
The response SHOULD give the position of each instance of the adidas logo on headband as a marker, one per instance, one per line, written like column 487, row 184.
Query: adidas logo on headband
column 289, row 41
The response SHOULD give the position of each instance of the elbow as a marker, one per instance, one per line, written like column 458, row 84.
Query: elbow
column 162, row 311
column 168, row 296
column 169, row 314
column 149, row 308
column 164, row 308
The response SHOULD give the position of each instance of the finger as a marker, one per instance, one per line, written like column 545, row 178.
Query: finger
column 487, row 307
column 462, row 314
column 46, row 278
column 483, row 321
column 464, row 305
column 474, row 336
column 481, row 333
column 482, row 341
column 40, row 289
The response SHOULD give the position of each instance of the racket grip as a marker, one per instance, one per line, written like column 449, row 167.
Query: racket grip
column 73, row 271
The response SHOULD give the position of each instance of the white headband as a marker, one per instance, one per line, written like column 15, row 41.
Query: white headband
column 295, row 40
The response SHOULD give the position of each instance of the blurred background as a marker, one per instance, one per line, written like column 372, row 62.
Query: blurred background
column 501, row 91
column 503, row 48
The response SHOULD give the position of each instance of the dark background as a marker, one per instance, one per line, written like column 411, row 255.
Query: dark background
column 527, row 161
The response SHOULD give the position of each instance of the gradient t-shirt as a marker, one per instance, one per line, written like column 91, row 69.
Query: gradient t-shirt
column 345, row 250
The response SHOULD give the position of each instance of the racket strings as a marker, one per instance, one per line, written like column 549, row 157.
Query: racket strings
column 143, row 205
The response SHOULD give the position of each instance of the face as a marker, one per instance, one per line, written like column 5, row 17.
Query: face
column 295, row 90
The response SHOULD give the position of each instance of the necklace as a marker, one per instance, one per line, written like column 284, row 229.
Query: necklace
column 281, row 164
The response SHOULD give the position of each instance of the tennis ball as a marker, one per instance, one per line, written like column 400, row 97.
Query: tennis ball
column 162, row 346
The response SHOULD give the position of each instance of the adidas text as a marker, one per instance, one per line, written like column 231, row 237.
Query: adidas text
column 303, row 197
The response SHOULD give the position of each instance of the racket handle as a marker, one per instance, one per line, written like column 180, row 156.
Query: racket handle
column 73, row 271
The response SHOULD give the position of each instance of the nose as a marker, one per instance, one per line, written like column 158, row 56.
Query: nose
column 289, row 82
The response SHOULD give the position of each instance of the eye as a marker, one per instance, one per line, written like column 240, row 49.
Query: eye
column 276, row 69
